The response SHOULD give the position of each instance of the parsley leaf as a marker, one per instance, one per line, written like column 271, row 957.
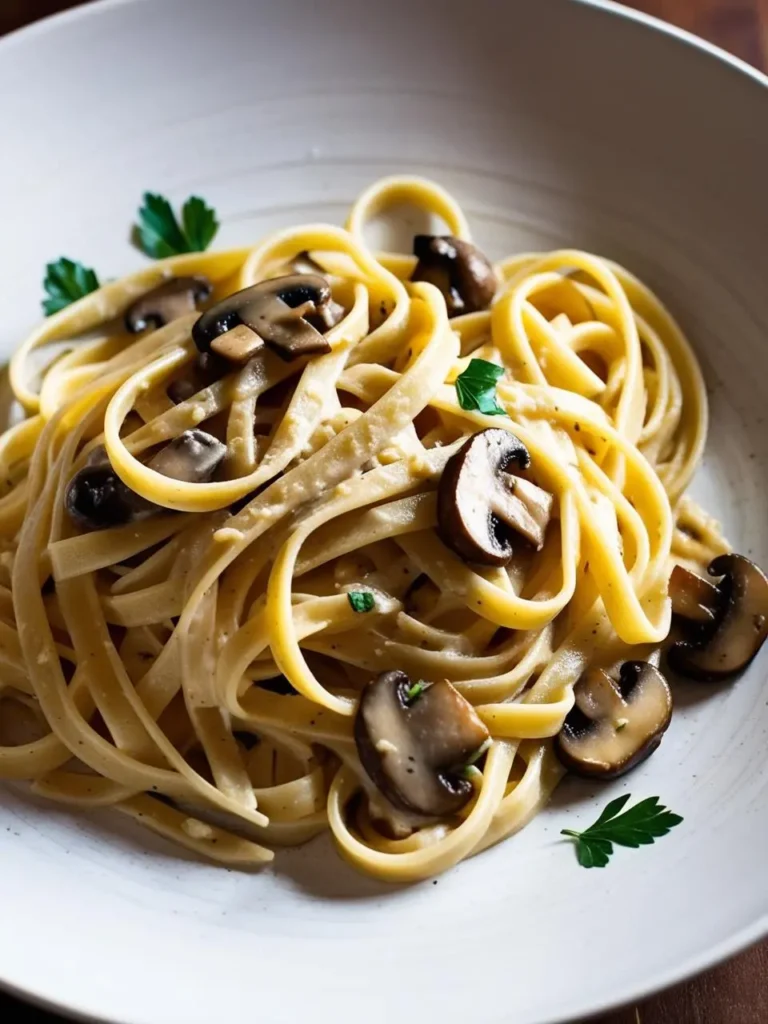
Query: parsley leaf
column 159, row 234
column 66, row 281
column 361, row 600
column 476, row 387
column 414, row 692
column 641, row 825
column 200, row 224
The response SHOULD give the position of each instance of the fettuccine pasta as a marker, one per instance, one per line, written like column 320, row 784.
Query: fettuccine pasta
column 282, row 536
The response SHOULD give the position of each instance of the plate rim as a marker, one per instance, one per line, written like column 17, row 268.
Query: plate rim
column 694, row 965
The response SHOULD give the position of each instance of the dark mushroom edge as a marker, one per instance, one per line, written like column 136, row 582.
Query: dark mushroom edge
column 285, row 313
column 614, row 725
column 725, row 625
column 458, row 269
column 96, row 498
column 481, row 507
column 167, row 302
column 414, row 745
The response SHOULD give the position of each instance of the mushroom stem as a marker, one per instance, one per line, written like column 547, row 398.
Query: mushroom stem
column 524, row 507
column 277, row 311
column 481, row 506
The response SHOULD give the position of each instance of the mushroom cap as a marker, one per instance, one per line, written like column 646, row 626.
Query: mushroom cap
column 613, row 726
column 274, row 312
column 480, row 506
column 96, row 498
column 193, row 457
column 412, row 749
column 458, row 269
column 726, row 646
column 167, row 302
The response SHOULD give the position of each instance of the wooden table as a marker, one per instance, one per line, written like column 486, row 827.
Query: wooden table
column 736, row 992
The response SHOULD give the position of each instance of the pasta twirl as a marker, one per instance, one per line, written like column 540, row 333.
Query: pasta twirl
column 198, row 666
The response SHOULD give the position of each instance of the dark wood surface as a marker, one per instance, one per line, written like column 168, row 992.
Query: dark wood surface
column 735, row 992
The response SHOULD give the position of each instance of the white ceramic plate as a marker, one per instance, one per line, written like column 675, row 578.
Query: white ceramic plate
column 554, row 122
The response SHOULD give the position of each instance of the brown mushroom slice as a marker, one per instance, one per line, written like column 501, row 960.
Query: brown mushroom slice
column 193, row 457
column 613, row 726
column 728, row 644
column 332, row 312
column 458, row 269
column 693, row 598
column 413, row 743
column 302, row 263
column 167, row 302
column 480, row 505
column 533, row 519
column 274, row 312
column 96, row 498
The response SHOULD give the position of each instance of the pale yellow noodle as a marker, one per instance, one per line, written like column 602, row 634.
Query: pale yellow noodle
column 146, row 663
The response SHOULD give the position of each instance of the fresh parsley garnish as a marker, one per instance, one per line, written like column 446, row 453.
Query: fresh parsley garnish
column 641, row 825
column 65, row 282
column 469, row 765
column 476, row 387
column 414, row 692
column 159, row 233
column 361, row 600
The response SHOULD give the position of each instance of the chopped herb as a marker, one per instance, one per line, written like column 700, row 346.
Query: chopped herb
column 66, row 281
column 476, row 387
column 641, row 825
column 159, row 233
column 414, row 692
column 361, row 600
column 474, row 758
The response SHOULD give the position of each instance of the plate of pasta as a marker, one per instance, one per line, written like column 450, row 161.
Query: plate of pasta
column 381, row 511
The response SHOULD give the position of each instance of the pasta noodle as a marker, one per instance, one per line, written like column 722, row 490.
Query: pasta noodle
column 150, row 660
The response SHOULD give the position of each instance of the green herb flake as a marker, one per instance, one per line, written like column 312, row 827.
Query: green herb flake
column 65, row 282
column 159, row 233
column 476, row 387
column 641, row 825
column 414, row 692
column 361, row 600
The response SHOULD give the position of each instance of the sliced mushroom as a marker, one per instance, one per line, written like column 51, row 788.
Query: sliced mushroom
column 414, row 742
column 302, row 263
column 97, row 498
column 167, row 302
column 458, row 268
column 274, row 312
column 193, row 457
column 692, row 597
column 480, row 506
column 613, row 726
column 332, row 312
column 726, row 641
